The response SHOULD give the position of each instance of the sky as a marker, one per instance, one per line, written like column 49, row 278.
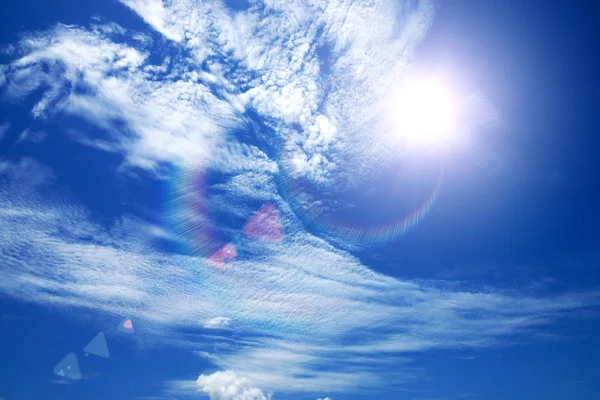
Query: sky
column 324, row 200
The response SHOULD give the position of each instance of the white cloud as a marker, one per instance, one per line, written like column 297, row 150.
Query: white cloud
column 217, row 322
column 155, row 14
column 227, row 385
column 4, row 127
column 27, row 172
column 303, row 293
column 31, row 136
column 237, row 158
column 150, row 122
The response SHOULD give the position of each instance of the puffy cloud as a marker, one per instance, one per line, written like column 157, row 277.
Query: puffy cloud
column 226, row 385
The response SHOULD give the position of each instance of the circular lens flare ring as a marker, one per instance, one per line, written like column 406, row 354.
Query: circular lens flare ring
column 344, row 232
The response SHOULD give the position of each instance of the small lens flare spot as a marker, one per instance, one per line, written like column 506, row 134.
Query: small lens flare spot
column 126, row 326
column 265, row 224
column 222, row 256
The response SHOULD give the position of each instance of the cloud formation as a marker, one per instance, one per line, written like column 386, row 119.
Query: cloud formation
column 226, row 385
column 316, row 71
column 303, row 293
column 283, row 90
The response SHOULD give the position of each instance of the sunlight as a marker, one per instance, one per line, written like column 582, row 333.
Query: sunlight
column 424, row 112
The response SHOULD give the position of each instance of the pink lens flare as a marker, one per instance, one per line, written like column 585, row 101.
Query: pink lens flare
column 126, row 326
column 265, row 224
column 223, row 255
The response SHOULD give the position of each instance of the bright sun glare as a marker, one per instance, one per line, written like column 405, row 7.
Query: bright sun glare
column 424, row 111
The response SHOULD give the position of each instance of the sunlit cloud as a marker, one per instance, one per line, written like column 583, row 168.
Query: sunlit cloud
column 226, row 385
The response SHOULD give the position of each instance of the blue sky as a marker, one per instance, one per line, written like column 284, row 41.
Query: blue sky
column 238, row 180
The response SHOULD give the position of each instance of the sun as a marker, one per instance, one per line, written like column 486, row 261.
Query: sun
column 424, row 112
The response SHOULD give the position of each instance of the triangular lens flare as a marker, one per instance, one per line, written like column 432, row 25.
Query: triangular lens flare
column 68, row 367
column 98, row 346
column 265, row 224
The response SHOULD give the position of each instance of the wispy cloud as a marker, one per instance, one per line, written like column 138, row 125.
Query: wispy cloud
column 31, row 136
column 4, row 127
column 27, row 172
column 317, row 305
